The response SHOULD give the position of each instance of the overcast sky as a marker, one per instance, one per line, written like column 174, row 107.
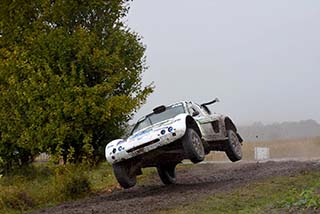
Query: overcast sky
column 261, row 58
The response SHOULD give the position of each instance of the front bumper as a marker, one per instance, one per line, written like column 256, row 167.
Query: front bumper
column 124, row 150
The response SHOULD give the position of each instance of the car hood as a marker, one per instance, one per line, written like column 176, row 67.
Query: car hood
column 151, row 131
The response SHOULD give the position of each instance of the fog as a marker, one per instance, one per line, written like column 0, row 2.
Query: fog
column 261, row 58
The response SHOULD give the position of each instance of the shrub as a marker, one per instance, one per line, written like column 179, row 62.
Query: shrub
column 35, row 185
column 77, row 185
column 71, row 182
column 15, row 198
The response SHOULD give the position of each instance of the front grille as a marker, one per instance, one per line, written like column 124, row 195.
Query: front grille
column 143, row 145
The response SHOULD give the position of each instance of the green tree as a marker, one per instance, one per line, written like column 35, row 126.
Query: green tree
column 70, row 78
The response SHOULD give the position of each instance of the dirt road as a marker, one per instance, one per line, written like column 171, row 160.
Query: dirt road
column 194, row 183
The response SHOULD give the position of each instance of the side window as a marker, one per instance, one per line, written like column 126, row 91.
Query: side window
column 202, row 109
column 191, row 108
column 196, row 108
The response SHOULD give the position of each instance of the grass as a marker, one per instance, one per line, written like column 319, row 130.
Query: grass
column 45, row 185
column 298, row 194
column 298, row 148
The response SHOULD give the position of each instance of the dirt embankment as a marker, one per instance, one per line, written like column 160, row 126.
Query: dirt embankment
column 193, row 184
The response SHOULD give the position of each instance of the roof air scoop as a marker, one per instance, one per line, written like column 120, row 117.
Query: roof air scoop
column 159, row 109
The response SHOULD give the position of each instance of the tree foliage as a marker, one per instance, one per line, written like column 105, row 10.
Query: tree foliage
column 70, row 77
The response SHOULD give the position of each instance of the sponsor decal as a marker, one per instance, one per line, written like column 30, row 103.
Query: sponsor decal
column 120, row 142
column 139, row 134
column 161, row 128
column 109, row 146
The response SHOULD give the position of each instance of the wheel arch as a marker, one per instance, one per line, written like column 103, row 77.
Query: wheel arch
column 229, row 125
column 191, row 123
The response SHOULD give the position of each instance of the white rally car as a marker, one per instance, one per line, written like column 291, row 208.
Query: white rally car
column 168, row 135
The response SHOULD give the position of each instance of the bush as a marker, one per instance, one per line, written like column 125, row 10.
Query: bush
column 77, row 186
column 33, row 186
column 15, row 198
column 71, row 182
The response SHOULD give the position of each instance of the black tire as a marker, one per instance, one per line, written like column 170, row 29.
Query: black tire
column 193, row 146
column 233, row 149
column 124, row 177
column 167, row 173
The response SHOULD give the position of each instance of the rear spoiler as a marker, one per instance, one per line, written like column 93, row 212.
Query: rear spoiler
column 211, row 102
column 204, row 105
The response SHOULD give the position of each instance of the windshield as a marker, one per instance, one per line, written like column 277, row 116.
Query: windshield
column 170, row 112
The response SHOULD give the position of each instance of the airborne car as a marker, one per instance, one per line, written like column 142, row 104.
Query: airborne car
column 170, row 134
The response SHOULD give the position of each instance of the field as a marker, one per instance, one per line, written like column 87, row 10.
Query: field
column 283, row 149
column 203, row 187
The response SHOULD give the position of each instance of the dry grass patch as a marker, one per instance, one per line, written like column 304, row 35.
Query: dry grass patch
column 299, row 148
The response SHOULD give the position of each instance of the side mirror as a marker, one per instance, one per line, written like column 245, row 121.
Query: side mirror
column 195, row 113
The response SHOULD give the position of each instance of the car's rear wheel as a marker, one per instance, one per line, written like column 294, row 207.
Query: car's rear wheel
column 233, row 149
column 124, row 176
column 193, row 146
column 167, row 173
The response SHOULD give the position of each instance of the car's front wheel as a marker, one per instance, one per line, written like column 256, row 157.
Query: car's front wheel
column 124, row 176
column 233, row 149
column 167, row 173
column 193, row 146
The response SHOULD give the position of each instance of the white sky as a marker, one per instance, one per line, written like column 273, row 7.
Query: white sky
column 261, row 58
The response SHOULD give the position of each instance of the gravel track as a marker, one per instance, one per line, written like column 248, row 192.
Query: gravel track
column 194, row 183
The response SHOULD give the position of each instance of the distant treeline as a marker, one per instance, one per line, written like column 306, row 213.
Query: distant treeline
column 277, row 131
